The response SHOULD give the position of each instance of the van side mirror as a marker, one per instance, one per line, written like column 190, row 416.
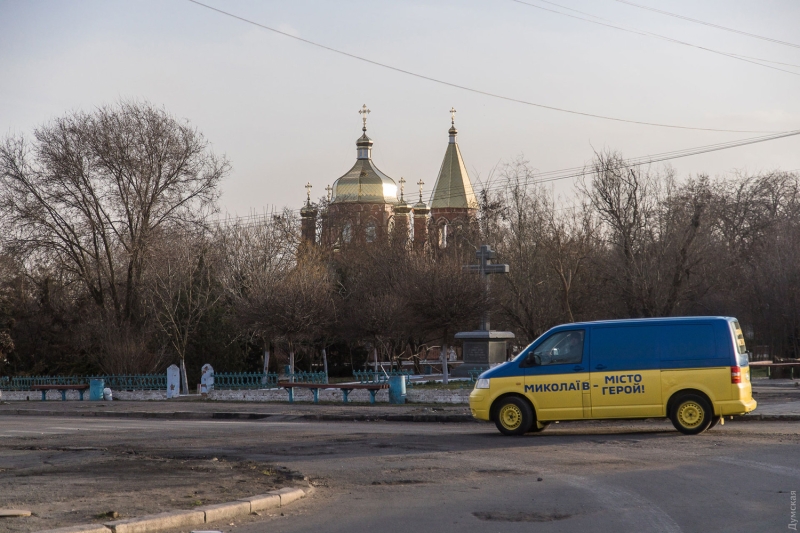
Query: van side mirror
column 531, row 360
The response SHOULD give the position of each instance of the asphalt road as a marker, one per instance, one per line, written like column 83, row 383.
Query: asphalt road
column 401, row 477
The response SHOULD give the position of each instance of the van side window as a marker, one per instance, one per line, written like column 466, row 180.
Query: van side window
column 564, row 347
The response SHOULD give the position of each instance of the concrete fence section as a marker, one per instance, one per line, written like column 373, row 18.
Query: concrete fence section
column 448, row 396
column 73, row 395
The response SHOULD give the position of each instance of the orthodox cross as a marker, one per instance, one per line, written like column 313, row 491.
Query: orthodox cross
column 420, row 183
column 452, row 116
column 329, row 189
column 308, row 193
column 364, row 112
column 484, row 268
column 402, row 187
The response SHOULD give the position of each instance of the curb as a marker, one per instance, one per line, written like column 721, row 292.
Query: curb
column 766, row 418
column 91, row 528
column 390, row 418
column 174, row 415
column 202, row 515
column 156, row 522
column 365, row 417
column 189, row 415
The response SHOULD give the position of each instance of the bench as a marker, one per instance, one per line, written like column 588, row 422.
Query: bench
column 62, row 388
column 346, row 389
column 769, row 365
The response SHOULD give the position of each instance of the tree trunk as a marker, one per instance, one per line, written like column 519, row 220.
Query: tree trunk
column 184, row 380
column 445, row 373
column 375, row 358
column 266, row 364
column 325, row 364
column 291, row 363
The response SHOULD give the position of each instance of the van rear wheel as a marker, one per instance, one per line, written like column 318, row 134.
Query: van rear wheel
column 691, row 414
column 513, row 416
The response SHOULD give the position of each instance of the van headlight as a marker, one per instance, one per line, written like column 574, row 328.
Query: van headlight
column 482, row 384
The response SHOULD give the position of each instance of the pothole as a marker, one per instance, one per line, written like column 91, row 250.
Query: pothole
column 506, row 516
column 399, row 482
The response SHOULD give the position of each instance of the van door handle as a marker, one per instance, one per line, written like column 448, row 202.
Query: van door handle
column 600, row 367
column 577, row 368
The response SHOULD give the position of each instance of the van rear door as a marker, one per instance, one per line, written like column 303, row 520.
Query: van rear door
column 625, row 371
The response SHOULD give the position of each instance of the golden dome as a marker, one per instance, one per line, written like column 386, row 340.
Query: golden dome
column 364, row 183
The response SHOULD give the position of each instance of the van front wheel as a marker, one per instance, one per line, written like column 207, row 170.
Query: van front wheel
column 513, row 416
column 691, row 414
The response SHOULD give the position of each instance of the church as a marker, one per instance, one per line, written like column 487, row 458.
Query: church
column 365, row 205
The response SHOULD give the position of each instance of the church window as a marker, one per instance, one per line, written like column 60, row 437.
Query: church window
column 347, row 232
column 371, row 231
column 443, row 235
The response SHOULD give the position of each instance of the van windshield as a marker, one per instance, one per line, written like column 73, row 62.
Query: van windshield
column 741, row 349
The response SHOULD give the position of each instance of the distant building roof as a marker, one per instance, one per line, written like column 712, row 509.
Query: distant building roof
column 453, row 187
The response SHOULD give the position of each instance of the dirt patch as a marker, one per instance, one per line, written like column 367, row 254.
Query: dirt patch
column 81, row 485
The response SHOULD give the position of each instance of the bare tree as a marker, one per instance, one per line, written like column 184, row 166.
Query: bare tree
column 531, row 296
column 569, row 243
column 254, row 258
column 651, row 227
column 444, row 297
column 183, row 290
column 91, row 190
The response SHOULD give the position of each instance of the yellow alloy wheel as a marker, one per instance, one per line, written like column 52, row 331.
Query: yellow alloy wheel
column 510, row 416
column 691, row 414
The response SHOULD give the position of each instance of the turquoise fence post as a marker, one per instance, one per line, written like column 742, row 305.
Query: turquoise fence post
column 96, row 387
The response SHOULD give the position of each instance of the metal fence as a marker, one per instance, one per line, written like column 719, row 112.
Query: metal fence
column 308, row 377
column 125, row 382
column 370, row 376
column 146, row 382
column 244, row 380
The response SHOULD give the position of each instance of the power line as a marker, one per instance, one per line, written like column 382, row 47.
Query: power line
column 574, row 172
column 465, row 88
column 658, row 36
column 704, row 23
column 746, row 59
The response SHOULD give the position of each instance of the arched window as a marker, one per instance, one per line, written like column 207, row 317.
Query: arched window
column 371, row 231
column 443, row 229
column 347, row 232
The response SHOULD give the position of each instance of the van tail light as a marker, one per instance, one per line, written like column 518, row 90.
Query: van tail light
column 736, row 374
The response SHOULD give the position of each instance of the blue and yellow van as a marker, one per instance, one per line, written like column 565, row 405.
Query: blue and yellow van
column 691, row 370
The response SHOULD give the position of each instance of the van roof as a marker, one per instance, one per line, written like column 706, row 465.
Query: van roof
column 647, row 320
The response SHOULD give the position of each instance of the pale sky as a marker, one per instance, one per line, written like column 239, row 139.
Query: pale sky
column 286, row 113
